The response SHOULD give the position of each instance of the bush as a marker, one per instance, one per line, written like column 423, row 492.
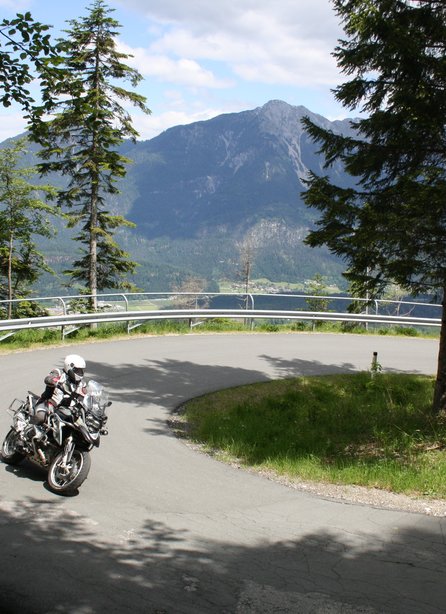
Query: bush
column 28, row 309
column 408, row 331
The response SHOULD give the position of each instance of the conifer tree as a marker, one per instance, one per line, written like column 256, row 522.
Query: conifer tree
column 87, row 124
column 23, row 215
column 392, row 226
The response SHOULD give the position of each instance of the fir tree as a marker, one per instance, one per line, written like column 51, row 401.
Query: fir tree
column 392, row 226
column 81, row 138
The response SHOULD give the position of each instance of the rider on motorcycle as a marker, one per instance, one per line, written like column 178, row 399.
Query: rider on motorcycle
column 61, row 387
column 59, row 431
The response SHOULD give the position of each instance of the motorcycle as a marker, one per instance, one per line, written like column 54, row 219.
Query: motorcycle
column 63, row 442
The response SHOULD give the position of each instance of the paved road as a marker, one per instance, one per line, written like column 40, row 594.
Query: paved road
column 160, row 528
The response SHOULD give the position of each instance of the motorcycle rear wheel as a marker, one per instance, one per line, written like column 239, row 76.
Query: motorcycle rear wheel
column 9, row 452
column 66, row 481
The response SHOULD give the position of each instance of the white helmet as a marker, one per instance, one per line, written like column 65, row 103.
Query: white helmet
column 74, row 366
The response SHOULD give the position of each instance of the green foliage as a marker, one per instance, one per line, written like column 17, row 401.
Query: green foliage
column 23, row 216
column 221, row 325
column 79, row 305
column 23, row 41
column 316, row 287
column 376, row 366
column 391, row 226
column 376, row 432
column 88, row 123
column 406, row 331
column 113, row 264
column 353, row 327
column 29, row 309
column 23, row 309
column 30, row 339
column 268, row 327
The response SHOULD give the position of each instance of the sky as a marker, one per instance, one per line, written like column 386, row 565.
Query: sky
column 202, row 58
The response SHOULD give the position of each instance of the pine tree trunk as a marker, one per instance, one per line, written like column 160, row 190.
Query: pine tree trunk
column 440, row 384
column 93, row 280
column 10, row 253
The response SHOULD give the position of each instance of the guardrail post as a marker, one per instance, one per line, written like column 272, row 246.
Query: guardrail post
column 126, row 308
column 64, row 309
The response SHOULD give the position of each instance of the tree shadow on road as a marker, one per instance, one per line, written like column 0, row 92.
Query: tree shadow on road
column 295, row 367
column 169, row 382
column 52, row 560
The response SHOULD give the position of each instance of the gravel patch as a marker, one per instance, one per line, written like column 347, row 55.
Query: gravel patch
column 366, row 496
column 359, row 495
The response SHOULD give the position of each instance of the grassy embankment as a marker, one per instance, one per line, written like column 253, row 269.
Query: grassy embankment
column 347, row 429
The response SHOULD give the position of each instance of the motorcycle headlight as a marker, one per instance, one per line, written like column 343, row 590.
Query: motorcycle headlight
column 93, row 422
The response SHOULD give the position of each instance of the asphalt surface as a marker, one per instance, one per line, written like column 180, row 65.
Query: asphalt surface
column 160, row 528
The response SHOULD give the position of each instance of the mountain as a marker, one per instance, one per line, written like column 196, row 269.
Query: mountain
column 225, row 175
column 196, row 192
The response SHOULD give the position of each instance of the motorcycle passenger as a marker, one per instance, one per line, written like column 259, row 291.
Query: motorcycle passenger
column 61, row 388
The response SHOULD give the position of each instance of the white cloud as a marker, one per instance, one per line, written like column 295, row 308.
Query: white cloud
column 11, row 124
column 15, row 5
column 202, row 58
column 287, row 61
column 205, row 46
column 312, row 18
column 183, row 71
column 283, row 42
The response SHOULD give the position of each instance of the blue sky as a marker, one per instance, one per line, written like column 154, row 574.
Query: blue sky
column 201, row 58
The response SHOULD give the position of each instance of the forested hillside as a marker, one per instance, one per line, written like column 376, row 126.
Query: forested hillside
column 206, row 196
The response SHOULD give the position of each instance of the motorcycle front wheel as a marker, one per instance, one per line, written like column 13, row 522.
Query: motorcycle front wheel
column 65, row 480
column 9, row 453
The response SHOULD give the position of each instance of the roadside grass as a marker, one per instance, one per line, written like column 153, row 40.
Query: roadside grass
column 346, row 429
column 33, row 338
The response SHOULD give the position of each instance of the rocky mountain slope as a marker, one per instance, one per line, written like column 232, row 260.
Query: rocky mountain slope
column 199, row 192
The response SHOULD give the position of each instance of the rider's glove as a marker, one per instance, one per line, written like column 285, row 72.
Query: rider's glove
column 56, row 397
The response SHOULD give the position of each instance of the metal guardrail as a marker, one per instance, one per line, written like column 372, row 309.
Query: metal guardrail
column 249, row 299
column 126, row 297
column 205, row 314
column 245, row 310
